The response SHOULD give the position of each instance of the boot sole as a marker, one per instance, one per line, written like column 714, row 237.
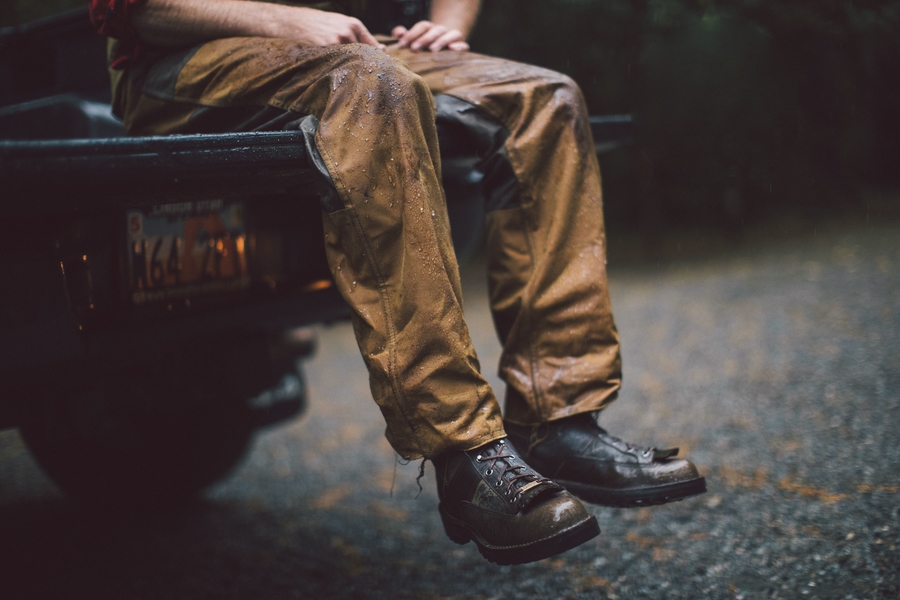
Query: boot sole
column 460, row 532
column 636, row 497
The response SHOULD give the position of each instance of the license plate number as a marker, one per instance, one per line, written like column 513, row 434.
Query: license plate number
column 186, row 249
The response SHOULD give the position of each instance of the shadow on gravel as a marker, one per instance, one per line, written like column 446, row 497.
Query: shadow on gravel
column 54, row 549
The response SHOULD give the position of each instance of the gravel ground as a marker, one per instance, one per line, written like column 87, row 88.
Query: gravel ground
column 773, row 361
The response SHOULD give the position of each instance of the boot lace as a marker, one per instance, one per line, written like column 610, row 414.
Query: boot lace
column 501, row 463
column 625, row 446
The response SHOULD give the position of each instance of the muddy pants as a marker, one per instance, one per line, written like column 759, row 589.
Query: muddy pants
column 386, row 228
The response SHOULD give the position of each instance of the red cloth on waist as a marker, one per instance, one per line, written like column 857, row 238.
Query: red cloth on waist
column 113, row 18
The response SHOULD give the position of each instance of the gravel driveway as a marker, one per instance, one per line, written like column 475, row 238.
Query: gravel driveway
column 774, row 364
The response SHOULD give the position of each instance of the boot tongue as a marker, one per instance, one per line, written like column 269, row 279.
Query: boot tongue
column 664, row 453
column 530, row 491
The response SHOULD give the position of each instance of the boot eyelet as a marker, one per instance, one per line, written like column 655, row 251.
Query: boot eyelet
column 478, row 458
column 489, row 472
column 508, row 492
column 646, row 453
column 499, row 482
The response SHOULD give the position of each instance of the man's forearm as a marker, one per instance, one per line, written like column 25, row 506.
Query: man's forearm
column 180, row 22
column 455, row 14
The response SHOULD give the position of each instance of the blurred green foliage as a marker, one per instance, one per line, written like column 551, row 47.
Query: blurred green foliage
column 744, row 107
column 13, row 12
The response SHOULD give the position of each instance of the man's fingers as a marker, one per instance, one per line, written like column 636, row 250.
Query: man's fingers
column 426, row 34
column 444, row 41
column 428, row 37
column 413, row 34
column 459, row 46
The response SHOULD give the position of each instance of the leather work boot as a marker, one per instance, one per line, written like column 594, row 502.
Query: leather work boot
column 490, row 496
column 602, row 469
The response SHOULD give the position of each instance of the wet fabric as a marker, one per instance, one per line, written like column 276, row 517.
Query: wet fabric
column 388, row 241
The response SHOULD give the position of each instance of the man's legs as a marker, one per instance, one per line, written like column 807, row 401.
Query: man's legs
column 547, row 275
column 387, row 239
column 388, row 246
column 545, row 234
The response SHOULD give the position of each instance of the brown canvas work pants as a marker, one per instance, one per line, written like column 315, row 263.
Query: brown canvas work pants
column 371, row 116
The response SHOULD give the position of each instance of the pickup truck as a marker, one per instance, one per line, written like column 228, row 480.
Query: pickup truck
column 156, row 289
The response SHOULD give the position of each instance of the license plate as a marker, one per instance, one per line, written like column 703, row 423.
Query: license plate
column 186, row 249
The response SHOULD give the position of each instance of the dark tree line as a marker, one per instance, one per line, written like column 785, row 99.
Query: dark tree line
column 744, row 106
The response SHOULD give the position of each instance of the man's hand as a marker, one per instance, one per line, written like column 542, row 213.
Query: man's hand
column 426, row 35
column 313, row 27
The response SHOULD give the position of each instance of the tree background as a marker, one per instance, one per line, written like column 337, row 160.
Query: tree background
column 744, row 108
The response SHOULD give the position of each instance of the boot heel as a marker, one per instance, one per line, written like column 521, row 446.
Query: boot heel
column 456, row 533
